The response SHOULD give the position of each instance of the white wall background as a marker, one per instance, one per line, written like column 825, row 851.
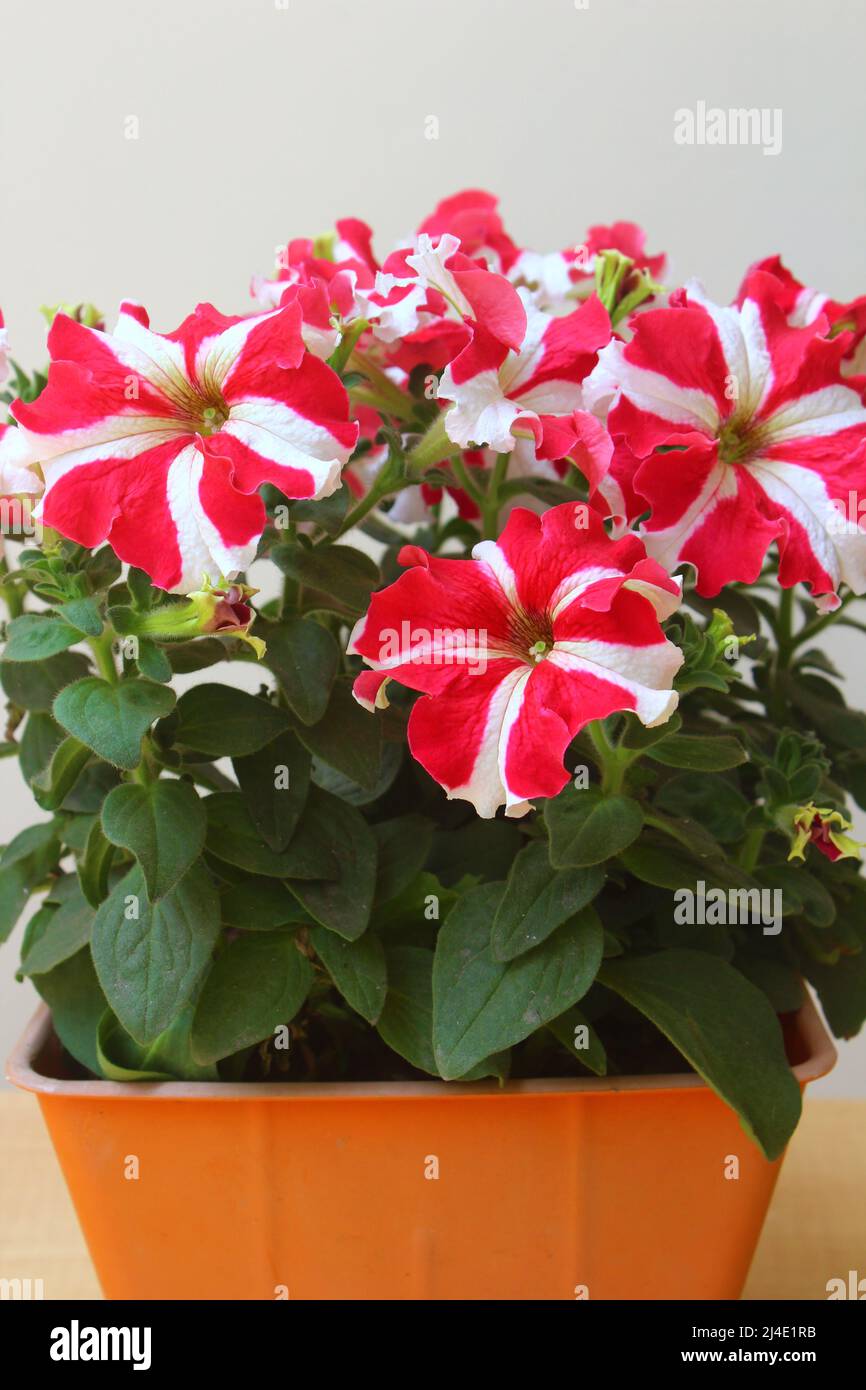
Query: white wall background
column 264, row 119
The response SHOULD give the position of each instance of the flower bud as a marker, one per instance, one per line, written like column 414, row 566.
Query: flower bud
column 224, row 611
column 823, row 828
column 88, row 314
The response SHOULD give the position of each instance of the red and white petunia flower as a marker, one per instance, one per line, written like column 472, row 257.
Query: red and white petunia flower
column 559, row 279
column 742, row 431
column 515, row 650
column 472, row 216
column 496, row 391
column 803, row 305
column 330, row 289
column 158, row 444
column 434, row 285
column 17, row 476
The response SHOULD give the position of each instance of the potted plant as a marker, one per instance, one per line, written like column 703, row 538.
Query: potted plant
column 446, row 934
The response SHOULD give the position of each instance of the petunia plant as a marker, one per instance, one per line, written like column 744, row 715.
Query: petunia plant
column 419, row 675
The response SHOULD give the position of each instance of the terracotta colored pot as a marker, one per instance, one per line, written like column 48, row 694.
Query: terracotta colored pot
column 544, row 1188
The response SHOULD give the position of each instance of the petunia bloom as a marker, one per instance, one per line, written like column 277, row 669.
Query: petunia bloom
column 159, row 443
column 515, row 650
column 741, row 431
column 498, row 393
column 802, row 304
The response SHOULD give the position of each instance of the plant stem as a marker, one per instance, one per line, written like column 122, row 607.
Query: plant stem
column 394, row 401
column 490, row 505
column 461, row 473
column 751, row 849
column 785, row 644
column 613, row 761
column 346, row 346
column 104, row 656
column 433, row 447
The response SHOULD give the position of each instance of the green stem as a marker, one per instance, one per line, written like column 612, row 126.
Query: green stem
column 785, row 644
column 366, row 505
column 471, row 488
column 613, row 761
column 104, row 656
column 346, row 346
column 432, row 448
column 10, row 592
column 394, row 400
column 751, row 848
column 491, row 504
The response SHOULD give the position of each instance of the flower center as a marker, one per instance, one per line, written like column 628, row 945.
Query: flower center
column 213, row 417
column 531, row 635
column 739, row 441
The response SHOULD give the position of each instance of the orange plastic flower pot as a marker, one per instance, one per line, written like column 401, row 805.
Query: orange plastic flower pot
column 539, row 1190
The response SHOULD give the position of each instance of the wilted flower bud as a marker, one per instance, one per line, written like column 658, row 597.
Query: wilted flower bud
column 825, row 829
column 200, row 614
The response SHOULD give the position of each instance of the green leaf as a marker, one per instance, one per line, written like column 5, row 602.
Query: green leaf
column 112, row 719
column 120, row 1057
column 152, row 661
column 150, row 957
column 348, row 737
column 829, row 716
column 538, row 899
column 232, row 837
column 40, row 738
column 406, row 1022
column 274, row 783
column 713, row 753
column 260, row 904
column 403, row 846
column 637, row 735
column 587, row 828
column 83, row 614
column 64, row 935
column 34, row 685
column 339, row 785
column 14, row 894
column 52, row 786
column 348, row 575
column 801, row 891
column 186, row 657
column 491, row 843
column 73, row 994
column 258, row 982
column 163, row 824
column 305, row 658
column 35, row 636
column 724, row 1027
column 481, row 1005
column 95, row 865
column 224, row 722
column 357, row 969
column 169, row 1057
column 328, row 512
column 778, row 980
column 33, row 840
column 342, row 904
column 713, row 802
column 577, row 1035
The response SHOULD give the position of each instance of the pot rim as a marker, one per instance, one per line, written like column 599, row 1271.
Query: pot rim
column 21, row 1071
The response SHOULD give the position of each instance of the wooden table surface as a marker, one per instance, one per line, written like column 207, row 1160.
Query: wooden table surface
column 815, row 1230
